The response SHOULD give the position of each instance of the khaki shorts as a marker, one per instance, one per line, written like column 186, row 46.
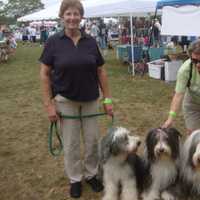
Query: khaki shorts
column 191, row 111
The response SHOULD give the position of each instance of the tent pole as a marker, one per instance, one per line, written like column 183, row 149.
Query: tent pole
column 132, row 47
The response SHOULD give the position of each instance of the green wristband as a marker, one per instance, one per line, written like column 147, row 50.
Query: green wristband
column 172, row 114
column 107, row 101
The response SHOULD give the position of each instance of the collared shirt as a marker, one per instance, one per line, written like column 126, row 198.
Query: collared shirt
column 73, row 67
column 183, row 77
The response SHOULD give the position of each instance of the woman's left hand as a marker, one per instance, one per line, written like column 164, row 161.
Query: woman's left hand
column 108, row 109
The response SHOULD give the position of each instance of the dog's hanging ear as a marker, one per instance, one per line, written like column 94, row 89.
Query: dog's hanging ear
column 105, row 145
column 190, row 155
column 150, row 143
column 174, row 140
column 114, row 149
column 174, row 131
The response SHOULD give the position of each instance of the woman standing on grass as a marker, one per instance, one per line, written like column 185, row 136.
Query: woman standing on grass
column 71, row 73
column 188, row 91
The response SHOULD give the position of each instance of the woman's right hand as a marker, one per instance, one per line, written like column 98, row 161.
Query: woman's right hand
column 51, row 111
column 168, row 123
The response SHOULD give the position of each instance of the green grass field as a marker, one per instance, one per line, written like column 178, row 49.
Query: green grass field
column 27, row 170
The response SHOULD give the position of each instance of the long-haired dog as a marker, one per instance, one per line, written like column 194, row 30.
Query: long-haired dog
column 190, row 167
column 122, row 168
column 162, row 158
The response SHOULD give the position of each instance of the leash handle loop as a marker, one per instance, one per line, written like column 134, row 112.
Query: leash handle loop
column 53, row 129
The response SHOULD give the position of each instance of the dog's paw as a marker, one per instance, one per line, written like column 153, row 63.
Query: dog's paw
column 167, row 196
column 143, row 195
column 153, row 195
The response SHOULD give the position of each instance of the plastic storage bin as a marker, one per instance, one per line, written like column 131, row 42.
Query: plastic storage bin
column 156, row 69
column 171, row 69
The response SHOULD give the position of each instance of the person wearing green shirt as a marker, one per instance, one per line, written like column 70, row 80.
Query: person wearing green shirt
column 187, row 91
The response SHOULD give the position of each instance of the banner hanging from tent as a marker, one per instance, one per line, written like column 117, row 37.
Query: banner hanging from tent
column 181, row 21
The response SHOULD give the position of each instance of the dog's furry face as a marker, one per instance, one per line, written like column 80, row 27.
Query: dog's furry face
column 162, row 144
column 190, row 164
column 122, row 168
column 196, row 157
column 123, row 142
column 194, row 151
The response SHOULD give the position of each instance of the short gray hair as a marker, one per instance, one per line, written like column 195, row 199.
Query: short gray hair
column 194, row 47
column 66, row 4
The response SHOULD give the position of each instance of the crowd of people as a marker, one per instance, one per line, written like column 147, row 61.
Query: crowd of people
column 33, row 34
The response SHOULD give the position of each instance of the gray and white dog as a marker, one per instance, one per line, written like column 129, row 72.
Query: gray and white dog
column 190, row 167
column 162, row 163
column 122, row 168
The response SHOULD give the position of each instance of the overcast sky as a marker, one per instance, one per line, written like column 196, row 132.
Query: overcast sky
column 46, row 2
column 49, row 2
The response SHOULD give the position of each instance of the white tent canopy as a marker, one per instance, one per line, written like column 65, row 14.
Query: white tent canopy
column 99, row 8
column 48, row 13
column 121, row 8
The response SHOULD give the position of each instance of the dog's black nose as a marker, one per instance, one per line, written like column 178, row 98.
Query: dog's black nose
column 198, row 159
column 138, row 143
column 161, row 150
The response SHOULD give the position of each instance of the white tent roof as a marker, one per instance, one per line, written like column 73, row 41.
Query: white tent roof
column 121, row 8
column 48, row 13
column 99, row 8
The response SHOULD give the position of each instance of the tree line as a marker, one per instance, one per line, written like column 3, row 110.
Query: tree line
column 13, row 9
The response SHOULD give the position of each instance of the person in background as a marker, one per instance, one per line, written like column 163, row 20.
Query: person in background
column 25, row 34
column 94, row 31
column 184, row 43
column 43, row 35
column 146, row 40
column 173, row 47
column 156, row 33
column 12, row 43
column 187, row 91
column 33, row 32
column 72, row 71
column 1, row 34
column 102, row 37
column 124, row 36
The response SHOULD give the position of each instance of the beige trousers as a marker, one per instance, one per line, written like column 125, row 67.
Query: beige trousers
column 75, row 167
column 191, row 111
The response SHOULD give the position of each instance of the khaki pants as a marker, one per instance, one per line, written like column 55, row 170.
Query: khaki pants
column 71, row 128
column 191, row 111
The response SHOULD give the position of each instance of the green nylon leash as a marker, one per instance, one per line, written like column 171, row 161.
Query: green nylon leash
column 82, row 116
column 53, row 130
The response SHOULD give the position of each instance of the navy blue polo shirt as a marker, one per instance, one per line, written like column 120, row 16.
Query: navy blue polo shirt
column 73, row 68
